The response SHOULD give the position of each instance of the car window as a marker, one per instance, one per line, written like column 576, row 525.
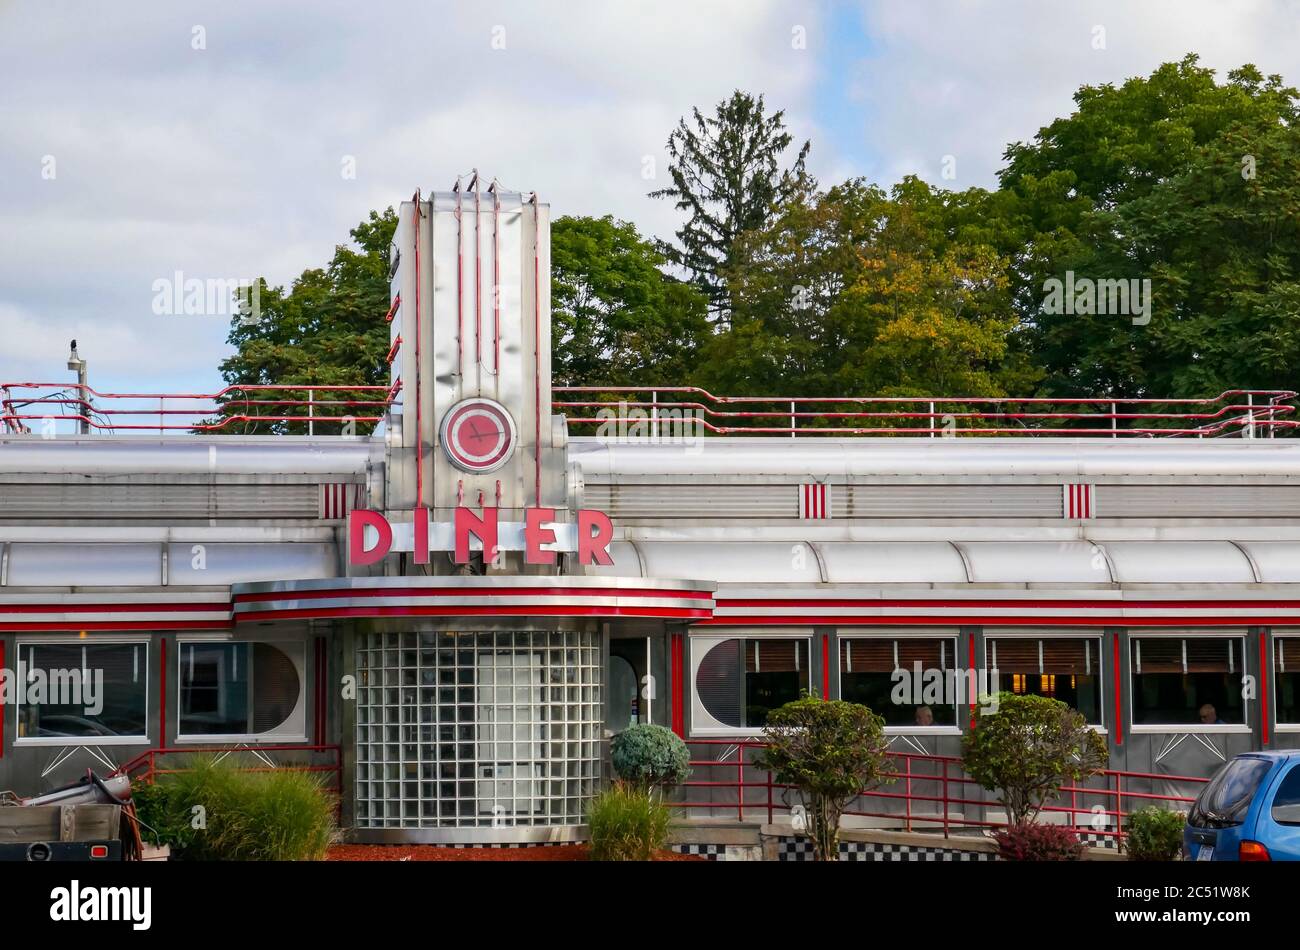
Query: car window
column 1226, row 799
column 1286, row 803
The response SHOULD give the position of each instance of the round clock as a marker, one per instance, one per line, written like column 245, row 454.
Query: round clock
column 478, row 435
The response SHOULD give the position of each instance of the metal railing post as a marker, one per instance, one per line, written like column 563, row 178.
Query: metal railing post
column 769, row 796
column 1114, row 422
column 654, row 414
column 908, row 801
column 793, row 422
column 945, row 797
column 740, row 783
column 1250, row 425
column 311, row 413
column 932, row 420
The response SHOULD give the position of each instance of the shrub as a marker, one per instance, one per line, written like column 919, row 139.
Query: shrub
column 831, row 751
column 627, row 823
column 245, row 816
column 1026, row 748
column 1029, row 842
column 650, row 756
column 1154, row 834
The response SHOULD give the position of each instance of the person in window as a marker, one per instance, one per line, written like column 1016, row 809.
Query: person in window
column 1209, row 715
column 924, row 716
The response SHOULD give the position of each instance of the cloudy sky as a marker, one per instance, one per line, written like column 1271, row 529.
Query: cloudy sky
column 145, row 138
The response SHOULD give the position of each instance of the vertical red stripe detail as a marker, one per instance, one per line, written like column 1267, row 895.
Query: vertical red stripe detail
column 974, row 666
column 162, row 694
column 675, row 664
column 1263, row 685
column 2, row 703
column 496, row 282
column 419, row 431
column 826, row 666
column 1087, row 501
column 537, row 329
column 1119, row 703
column 478, row 284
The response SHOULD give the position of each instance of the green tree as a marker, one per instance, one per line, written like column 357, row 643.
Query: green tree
column 616, row 318
column 831, row 751
column 728, row 178
column 1154, row 179
column 1026, row 748
column 858, row 292
column 328, row 329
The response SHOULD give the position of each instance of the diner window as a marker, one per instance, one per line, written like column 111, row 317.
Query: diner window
column 83, row 692
column 1063, row 668
column 1286, row 670
column 241, row 689
column 1188, row 681
column 909, row 681
column 739, row 680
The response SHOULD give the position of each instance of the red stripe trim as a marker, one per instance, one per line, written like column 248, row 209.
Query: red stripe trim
column 1076, row 604
column 826, row 666
column 1118, row 724
column 470, row 592
column 971, row 653
column 955, row 620
column 77, row 625
column 679, row 713
column 162, row 694
column 9, row 609
column 1263, row 685
column 2, row 703
column 523, row 610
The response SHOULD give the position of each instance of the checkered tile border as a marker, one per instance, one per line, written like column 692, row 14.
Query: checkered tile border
column 1098, row 841
column 517, row 844
column 800, row 849
column 714, row 852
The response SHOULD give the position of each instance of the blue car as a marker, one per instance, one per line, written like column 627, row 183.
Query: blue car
column 1250, row 811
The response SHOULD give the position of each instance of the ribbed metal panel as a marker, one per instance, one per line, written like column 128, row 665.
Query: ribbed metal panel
column 1198, row 501
column 947, row 501
column 631, row 501
column 169, row 501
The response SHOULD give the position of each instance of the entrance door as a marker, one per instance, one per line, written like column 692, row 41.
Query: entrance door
column 631, row 688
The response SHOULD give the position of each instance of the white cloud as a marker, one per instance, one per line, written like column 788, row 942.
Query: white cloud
column 225, row 161
column 967, row 78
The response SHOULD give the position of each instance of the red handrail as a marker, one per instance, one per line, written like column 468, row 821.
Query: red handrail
column 947, row 774
column 108, row 411
column 1242, row 409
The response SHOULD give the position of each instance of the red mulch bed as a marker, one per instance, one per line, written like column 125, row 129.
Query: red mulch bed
column 430, row 852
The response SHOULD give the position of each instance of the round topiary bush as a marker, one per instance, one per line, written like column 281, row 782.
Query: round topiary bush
column 650, row 756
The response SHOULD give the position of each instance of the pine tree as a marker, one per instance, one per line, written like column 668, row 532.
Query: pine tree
column 727, row 177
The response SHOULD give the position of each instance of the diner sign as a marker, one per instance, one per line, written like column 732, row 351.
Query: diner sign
column 371, row 536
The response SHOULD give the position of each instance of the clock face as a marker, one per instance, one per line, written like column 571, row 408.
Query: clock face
column 478, row 435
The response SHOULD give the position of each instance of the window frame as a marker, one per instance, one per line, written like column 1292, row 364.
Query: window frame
column 806, row 634
column 1228, row 728
column 1099, row 635
column 60, row 741
column 1273, row 638
column 297, row 736
column 952, row 634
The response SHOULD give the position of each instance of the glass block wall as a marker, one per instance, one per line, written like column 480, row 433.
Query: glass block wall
column 476, row 729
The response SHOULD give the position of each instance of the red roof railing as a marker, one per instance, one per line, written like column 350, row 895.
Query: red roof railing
column 1244, row 412
column 25, row 404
